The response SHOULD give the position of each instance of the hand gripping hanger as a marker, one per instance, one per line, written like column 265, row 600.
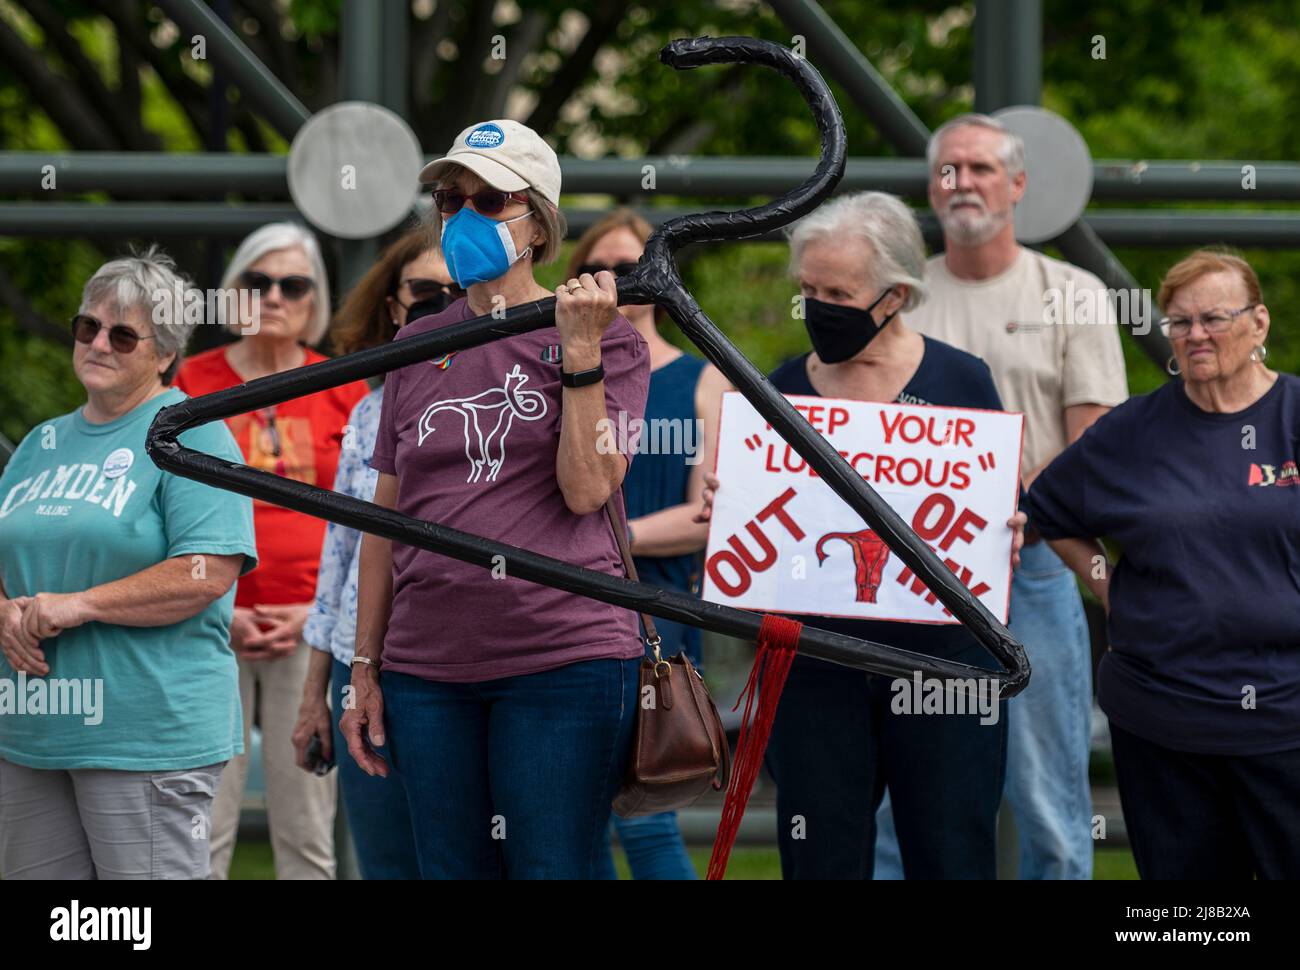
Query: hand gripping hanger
column 655, row 280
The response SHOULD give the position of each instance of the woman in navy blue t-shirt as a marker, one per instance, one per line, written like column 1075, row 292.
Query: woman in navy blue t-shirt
column 1198, row 484
column 836, row 743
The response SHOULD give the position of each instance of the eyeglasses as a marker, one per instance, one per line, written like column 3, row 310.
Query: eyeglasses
column 489, row 202
column 1216, row 321
column 291, row 287
column 422, row 290
column 618, row 269
column 120, row 337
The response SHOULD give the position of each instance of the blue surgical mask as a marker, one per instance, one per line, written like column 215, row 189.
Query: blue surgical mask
column 478, row 249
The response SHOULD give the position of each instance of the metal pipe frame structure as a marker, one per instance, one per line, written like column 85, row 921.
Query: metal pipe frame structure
column 202, row 174
column 361, row 31
column 253, row 78
column 1117, row 227
column 655, row 280
column 1008, row 54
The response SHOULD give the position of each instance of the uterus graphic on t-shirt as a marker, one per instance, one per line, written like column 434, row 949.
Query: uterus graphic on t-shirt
column 485, row 420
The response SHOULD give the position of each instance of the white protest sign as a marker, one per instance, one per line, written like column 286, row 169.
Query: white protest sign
column 781, row 541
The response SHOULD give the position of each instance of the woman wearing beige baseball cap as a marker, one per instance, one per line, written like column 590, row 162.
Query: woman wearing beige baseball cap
column 505, row 708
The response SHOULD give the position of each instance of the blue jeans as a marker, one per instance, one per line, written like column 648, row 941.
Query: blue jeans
column 1047, row 751
column 654, row 848
column 512, row 778
column 378, row 816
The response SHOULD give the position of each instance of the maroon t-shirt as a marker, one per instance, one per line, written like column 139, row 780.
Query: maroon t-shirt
column 474, row 446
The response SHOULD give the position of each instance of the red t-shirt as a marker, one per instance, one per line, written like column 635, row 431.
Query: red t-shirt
column 310, row 433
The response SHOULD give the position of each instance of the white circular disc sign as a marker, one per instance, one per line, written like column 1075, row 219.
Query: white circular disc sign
column 354, row 170
column 1060, row 172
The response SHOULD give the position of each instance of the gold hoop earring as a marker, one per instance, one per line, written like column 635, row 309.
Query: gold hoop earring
column 1171, row 367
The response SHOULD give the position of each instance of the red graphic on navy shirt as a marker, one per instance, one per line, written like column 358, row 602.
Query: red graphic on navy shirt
column 1286, row 474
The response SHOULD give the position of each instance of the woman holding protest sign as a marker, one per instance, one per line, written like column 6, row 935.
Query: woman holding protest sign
column 1198, row 483
column 838, row 741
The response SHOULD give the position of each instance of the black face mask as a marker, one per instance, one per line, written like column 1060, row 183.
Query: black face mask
column 841, row 332
column 434, row 304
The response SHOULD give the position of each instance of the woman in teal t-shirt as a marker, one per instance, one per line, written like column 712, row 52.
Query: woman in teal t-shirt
column 119, row 703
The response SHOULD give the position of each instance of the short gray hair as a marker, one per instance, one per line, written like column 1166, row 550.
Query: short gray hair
column 885, row 223
column 1012, row 153
column 551, row 219
column 269, row 239
column 147, row 281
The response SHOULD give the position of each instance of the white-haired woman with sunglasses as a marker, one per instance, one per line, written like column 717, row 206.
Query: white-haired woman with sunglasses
column 281, row 310
column 119, row 703
column 505, row 707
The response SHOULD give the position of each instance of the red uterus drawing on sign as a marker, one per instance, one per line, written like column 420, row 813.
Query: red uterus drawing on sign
column 869, row 557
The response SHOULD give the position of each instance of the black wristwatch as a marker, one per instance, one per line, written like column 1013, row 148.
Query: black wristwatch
column 583, row 377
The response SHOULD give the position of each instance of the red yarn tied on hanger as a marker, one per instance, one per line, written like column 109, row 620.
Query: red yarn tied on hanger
column 778, row 639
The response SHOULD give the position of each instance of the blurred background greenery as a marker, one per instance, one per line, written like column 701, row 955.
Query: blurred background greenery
column 1199, row 80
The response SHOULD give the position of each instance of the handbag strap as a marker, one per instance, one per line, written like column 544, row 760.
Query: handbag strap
column 620, row 536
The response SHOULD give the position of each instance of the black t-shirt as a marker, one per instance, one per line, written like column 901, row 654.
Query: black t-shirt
column 946, row 377
column 1205, row 602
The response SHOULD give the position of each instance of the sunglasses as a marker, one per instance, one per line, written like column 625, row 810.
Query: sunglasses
column 489, row 202
column 120, row 337
column 618, row 269
column 291, row 287
column 422, row 290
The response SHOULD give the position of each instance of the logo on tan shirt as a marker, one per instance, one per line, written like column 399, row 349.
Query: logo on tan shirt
column 487, row 418
column 1025, row 326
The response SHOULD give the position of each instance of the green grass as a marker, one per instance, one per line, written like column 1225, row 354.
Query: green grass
column 1113, row 864
column 253, row 861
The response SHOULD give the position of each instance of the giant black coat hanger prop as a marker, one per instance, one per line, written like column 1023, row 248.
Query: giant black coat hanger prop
column 655, row 280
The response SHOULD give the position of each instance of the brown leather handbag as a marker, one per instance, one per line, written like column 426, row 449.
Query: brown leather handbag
column 679, row 748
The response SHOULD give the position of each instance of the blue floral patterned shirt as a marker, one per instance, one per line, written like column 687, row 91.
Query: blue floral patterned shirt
column 332, row 623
